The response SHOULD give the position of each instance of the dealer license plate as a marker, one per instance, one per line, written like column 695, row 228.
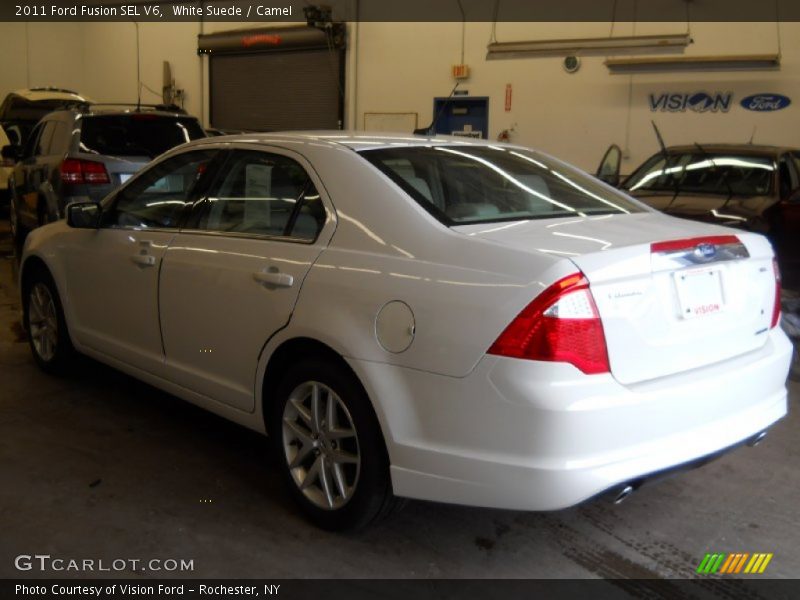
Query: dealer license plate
column 699, row 292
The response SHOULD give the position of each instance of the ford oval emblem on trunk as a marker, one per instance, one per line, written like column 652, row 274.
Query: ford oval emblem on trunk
column 705, row 251
column 766, row 102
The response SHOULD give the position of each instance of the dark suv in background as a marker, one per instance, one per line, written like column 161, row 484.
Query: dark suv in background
column 19, row 113
column 81, row 154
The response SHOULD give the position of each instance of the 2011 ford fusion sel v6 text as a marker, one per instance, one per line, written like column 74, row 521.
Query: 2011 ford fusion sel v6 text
column 419, row 317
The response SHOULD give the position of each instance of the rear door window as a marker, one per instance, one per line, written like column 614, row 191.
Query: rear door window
column 136, row 134
column 267, row 194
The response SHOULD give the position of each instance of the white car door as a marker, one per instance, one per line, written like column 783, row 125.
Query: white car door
column 112, row 272
column 231, row 278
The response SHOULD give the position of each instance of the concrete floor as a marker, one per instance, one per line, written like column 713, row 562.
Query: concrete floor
column 101, row 466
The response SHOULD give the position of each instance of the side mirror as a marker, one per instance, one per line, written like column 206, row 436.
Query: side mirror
column 11, row 152
column 83, row 215
column 608, row 170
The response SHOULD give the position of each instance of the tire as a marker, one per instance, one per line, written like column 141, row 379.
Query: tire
column 44, row 321
column 338, row 475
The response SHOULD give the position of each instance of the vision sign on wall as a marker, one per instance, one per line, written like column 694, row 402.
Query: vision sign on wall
column 697, row 101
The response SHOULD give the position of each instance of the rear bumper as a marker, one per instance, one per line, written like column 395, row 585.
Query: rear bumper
column 542, row 436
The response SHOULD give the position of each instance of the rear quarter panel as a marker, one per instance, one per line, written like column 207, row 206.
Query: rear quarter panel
column 463, row 291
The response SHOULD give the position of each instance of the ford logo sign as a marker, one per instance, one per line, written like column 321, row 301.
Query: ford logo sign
column 705, row 251
column 766, row 102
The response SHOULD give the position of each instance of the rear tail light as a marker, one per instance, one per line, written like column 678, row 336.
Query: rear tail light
column 83, row 171
column 776, row 307
column 560, row 325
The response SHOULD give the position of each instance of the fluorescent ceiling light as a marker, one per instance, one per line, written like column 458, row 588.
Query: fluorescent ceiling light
column 605, row 46
column 742, row 62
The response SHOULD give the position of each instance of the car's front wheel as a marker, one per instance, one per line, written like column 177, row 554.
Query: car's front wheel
column 46, row 325
column 330, row 446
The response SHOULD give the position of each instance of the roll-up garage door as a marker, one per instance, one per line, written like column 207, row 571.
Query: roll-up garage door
column 267, row 80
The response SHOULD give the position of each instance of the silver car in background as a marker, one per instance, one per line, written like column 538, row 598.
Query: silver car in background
column 81, row 154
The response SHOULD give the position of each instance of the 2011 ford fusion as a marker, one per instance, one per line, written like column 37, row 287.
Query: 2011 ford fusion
column 415, row 317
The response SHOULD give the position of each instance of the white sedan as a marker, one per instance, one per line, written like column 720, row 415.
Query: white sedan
column 428, row 318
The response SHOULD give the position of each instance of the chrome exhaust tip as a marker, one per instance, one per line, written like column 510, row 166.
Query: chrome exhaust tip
column 623, row 494
column 757, row 439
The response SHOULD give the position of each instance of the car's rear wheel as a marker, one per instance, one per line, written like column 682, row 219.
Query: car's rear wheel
column 330, row 446
column 45, row 323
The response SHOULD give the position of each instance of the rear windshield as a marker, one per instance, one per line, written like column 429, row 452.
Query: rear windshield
column 705, row 173
column 462, row 184
column 136, row 134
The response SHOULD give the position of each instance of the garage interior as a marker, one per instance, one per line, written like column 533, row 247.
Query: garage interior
column 98, row 464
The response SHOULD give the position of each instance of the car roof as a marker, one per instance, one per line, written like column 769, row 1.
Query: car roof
column 738, row 148
column 356, row 140
column 90, row 111
column 37, row 94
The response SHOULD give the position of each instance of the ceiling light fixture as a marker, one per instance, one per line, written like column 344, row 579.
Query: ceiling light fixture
column 605, row 46
column 741, row 62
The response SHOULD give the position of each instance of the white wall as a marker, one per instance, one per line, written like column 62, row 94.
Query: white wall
column 40, row 54
column 401, row 67
column 109, row 56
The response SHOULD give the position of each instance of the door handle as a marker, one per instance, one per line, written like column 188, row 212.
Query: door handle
column 144, row 260
column 273, row 278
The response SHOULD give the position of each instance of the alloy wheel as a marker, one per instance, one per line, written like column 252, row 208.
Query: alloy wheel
column 43, row 322
column 321, row 446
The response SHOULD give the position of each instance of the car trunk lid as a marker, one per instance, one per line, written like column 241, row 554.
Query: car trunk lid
column 672, row 295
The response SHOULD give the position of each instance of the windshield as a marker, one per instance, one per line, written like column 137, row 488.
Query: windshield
column 136, row 134
column 706, row 173
column 483, row 184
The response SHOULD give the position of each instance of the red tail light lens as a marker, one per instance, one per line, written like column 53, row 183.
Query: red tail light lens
column 561, row 325
column 94, row 172
column 691, row 243
column 776, row 307
column 83, row 171
column 71, row 171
